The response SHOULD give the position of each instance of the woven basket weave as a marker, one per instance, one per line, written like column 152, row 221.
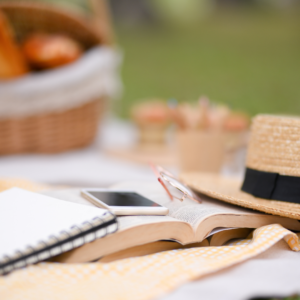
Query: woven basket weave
column 51, row 133
column 60, row 130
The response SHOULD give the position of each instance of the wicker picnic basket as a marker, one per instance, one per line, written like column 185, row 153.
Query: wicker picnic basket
column 61, row 129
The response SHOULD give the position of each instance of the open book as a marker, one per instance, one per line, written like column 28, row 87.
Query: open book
column 218, row 237
column 188, row 222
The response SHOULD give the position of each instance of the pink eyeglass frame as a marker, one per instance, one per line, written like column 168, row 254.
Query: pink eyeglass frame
column 159, row 173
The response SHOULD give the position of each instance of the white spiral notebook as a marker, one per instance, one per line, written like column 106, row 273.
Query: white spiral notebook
column 35, row 227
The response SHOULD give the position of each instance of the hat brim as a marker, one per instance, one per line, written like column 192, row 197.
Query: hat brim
column 229, row 190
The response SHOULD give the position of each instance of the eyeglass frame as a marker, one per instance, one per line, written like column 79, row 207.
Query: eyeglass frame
column 159, row 173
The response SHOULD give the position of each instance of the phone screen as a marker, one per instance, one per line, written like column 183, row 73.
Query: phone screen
column 123, row 199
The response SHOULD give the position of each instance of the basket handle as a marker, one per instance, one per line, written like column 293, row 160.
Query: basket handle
column 102, row 20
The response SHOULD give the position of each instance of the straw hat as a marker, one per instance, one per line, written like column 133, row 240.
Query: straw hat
column 272, row 176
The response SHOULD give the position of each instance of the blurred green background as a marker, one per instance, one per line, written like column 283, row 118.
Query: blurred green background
column 244, row 53
column 247, row 59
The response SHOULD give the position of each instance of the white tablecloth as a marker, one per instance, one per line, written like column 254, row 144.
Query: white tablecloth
column 274, row 273
column 83, row 167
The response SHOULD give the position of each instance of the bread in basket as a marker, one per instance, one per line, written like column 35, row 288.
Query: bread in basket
column 59, row 109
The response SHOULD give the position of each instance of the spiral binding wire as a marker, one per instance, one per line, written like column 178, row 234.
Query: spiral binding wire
column 65, row 241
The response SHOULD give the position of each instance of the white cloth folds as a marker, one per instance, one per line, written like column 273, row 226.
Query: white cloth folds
column 94, row 75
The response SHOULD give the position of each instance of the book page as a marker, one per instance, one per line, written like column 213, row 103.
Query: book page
column 188, row 210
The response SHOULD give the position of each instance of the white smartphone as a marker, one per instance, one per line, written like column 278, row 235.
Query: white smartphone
column 123, row 202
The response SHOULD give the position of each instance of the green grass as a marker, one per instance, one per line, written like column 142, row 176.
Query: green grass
column 250, row 61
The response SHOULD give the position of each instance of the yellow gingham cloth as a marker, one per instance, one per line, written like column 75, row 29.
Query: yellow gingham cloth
column 139, row 278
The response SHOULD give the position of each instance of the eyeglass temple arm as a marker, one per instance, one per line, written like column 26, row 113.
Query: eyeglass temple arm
column 160, row 180
column 166, row 189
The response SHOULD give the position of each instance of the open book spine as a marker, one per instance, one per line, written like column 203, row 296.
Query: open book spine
column 65, row 241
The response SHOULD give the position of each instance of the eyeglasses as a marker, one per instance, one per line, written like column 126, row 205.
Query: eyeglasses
column 173, row 187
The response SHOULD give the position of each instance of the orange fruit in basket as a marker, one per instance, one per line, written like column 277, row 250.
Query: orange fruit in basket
column 46, row 51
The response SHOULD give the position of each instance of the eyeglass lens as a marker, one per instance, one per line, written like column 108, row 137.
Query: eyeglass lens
column 176, row 188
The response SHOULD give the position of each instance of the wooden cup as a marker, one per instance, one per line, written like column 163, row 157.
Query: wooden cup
column 200, row 150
